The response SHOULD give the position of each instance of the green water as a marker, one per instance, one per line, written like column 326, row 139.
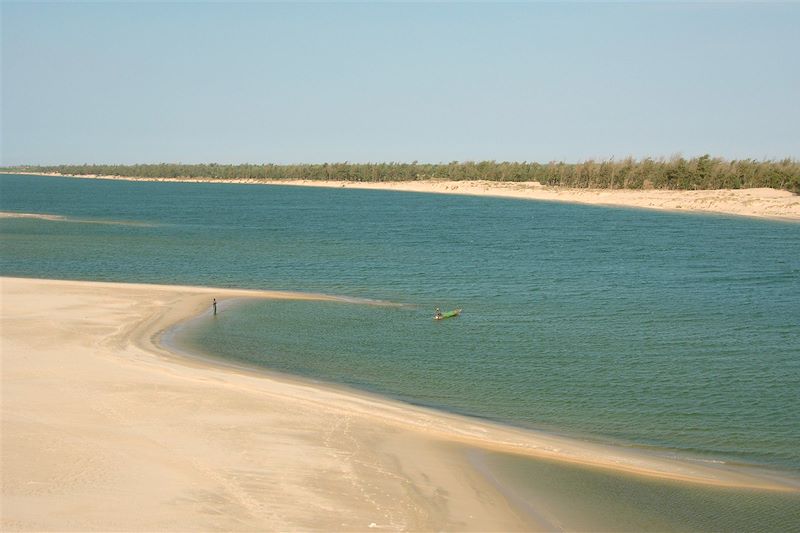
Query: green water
column 676, row 333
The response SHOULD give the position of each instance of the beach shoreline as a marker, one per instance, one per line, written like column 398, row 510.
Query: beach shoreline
column 98, row 415
column 104, row 429
column 757, row 203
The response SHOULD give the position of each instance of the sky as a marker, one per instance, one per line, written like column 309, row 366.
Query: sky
column 285, row 83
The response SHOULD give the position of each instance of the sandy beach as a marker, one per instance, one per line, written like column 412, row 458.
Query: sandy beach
column 102, row 428
column 760, row 203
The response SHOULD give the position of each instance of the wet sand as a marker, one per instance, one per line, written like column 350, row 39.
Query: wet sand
column 103, row 428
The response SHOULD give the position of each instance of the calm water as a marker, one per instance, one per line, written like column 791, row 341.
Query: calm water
column 574, row 498
column 671, row 331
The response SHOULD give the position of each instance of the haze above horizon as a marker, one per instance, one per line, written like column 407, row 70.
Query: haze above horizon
column 311, row 83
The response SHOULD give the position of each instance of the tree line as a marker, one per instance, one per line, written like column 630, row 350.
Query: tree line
column 702, row 172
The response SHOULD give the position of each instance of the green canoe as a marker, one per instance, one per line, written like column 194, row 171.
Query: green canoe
column 449, row 314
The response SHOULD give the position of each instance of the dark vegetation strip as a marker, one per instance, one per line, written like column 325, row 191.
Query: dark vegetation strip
column 677, row 173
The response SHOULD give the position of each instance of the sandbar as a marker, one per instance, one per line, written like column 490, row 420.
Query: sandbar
column 62, row 218
column 105, row 429
column 38, row 216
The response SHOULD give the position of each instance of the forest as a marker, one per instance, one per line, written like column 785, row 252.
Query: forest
column 703, row 172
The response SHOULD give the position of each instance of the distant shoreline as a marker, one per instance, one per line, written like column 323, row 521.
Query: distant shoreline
column 757, row 202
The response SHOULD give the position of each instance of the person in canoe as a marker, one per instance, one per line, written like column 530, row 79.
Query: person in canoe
column 438, row 315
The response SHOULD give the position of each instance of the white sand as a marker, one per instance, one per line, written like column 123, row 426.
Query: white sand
column 102, row 429
column 764, row 202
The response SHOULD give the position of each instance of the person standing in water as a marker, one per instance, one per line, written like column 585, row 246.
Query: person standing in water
column 214, row 304
column 437, row 314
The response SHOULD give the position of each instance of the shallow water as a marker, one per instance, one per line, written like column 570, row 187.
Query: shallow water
column 568, row 497
column 675, row 332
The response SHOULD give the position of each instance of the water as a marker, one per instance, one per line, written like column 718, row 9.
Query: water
column 675, row 332
column 569, row 497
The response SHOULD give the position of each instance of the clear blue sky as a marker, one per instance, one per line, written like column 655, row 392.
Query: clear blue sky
column 291, row 83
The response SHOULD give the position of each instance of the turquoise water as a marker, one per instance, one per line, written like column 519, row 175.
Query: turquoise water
column 675, row 332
